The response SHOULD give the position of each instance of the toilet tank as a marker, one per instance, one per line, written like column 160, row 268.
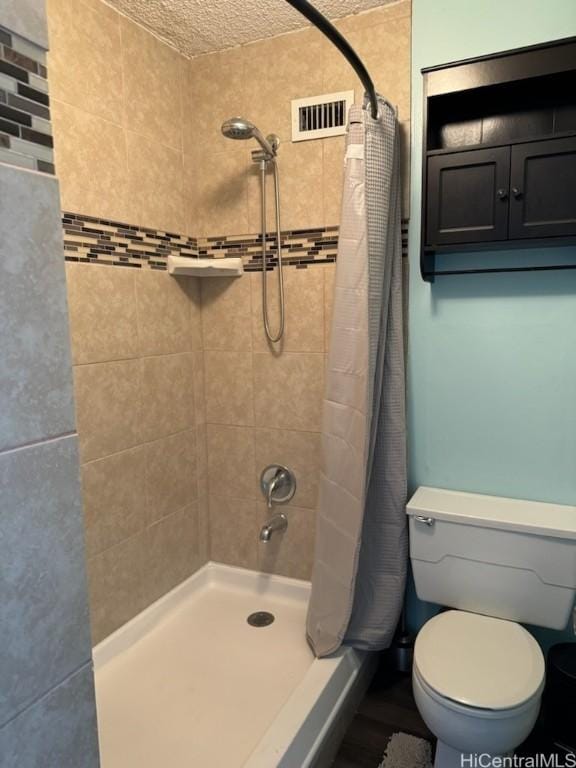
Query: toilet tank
column 501, row 557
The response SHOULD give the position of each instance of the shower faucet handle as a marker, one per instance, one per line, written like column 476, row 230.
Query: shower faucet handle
column 279, row 477
column 278, row 484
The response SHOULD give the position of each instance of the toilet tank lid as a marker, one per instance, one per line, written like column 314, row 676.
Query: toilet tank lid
column 532, row 517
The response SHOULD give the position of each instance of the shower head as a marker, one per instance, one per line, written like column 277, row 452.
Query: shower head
column 239, row 128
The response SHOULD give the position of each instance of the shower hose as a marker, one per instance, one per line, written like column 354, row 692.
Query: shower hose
column 263, row 168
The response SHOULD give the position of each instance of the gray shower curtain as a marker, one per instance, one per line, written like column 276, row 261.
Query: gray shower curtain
column 361, row 536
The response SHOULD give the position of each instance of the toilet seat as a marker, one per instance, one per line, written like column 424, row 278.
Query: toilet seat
column 456, row 708
column 478, row 662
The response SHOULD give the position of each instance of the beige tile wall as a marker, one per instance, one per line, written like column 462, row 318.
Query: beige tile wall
column 117, row 101
column 179, row 396
column 259, row 80
column 137, row 126
column 223, row 185
column 137, row 341
column 263, row 406
column 138, row 373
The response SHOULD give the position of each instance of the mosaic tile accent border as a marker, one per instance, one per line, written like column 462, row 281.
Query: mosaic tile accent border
column 99, row 241
column 25, row 127
column 300, row 248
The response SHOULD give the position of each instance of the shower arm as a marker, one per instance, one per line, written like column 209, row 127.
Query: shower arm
column 328, row 29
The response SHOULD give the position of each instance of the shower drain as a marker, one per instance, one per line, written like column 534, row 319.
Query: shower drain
column 260, row 619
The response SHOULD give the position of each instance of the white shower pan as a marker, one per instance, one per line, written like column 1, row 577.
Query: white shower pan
column 188, row 683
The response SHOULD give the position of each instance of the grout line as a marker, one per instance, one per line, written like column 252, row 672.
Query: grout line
column 191, row 503
column 136, row 446
column 266, row 353
column 196, row 461
column 137, row 303
column 275, row 429
column 45, row 694
column 204, row 430
column 136, row 358
column 148, row 30
column 123, row 84
column 143, row 530
column 75, row 107
column 38, row 443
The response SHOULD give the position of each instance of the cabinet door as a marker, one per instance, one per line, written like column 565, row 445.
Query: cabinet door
column 468, row 196
column 543, row 189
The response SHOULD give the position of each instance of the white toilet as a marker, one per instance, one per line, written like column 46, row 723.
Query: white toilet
column 478, row 675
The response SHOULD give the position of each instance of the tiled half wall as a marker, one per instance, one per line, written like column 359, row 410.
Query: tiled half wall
column 47, row 703
column 25, row 128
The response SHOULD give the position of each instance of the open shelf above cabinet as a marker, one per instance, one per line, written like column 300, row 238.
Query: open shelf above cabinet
column 499, row 156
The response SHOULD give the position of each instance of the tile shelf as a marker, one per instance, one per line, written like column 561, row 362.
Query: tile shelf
column 182, row 266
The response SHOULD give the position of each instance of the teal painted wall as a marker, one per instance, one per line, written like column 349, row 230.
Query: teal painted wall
column 492, row 363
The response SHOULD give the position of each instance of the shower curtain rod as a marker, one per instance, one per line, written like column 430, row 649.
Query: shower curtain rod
column 328, row 29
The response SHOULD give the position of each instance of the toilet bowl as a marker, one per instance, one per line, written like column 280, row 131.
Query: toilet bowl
column 477, row 683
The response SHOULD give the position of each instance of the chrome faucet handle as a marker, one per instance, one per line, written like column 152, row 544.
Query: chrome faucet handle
column 278, row 484
column 278, row 478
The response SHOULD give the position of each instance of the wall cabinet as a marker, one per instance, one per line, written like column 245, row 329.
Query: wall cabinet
column 468, row 196
column 485, row 195
column 543, row 189
column 499, row 162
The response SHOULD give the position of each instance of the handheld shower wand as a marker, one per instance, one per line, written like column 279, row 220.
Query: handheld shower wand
column 240, row 129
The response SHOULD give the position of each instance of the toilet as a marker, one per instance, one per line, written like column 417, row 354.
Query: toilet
column 493, row 563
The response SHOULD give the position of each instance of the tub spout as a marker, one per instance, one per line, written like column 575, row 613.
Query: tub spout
column 277, row 523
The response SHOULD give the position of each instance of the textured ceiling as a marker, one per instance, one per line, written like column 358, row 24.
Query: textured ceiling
column 200, row 26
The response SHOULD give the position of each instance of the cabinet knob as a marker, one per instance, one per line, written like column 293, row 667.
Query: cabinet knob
column 517, row 192
column 501, row 194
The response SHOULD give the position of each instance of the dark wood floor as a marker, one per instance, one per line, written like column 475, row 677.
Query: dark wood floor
column 387, row 708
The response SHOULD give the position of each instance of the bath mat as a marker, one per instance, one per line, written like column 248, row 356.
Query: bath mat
column 405, row 751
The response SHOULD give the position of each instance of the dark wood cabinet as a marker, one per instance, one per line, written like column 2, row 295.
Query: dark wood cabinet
column 504, row 193
column 468, row 196
column 543, row 189
column 499, row 160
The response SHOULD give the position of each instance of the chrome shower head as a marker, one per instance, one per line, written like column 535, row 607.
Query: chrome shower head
column 239, row 128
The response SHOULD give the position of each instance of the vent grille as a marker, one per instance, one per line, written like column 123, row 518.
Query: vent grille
column 319, row 117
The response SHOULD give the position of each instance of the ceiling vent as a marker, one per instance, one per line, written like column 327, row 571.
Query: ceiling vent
column 318, row 117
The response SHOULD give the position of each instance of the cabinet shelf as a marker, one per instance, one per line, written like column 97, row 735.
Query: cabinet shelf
column 527, row 140
column 517, row 188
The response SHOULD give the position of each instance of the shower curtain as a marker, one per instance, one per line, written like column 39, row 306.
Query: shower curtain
column 361, row 535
